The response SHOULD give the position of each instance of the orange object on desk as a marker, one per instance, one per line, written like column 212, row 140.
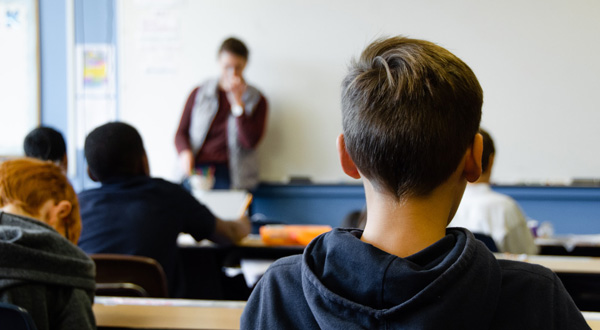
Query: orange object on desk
column 291, row 234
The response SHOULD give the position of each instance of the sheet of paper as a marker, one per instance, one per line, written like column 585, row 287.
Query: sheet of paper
column 225, row 204
column 254, row 269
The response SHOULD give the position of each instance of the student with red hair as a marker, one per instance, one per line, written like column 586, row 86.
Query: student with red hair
column 42, row 269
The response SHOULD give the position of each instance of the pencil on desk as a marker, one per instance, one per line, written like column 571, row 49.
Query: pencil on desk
column 246, row 204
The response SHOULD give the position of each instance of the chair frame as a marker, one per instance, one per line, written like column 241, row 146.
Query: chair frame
column 128, row 275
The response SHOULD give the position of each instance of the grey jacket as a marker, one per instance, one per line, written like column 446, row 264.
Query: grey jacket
column 243, row 162
column 44, row 273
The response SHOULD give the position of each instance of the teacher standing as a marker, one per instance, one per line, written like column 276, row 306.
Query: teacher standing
column 222, row 124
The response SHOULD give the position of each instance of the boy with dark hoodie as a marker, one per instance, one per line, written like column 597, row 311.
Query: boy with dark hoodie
column 411, row 113
column 41, row 268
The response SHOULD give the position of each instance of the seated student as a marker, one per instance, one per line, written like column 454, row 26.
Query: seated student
column 411, row 113
column 355, row 219
column 41, row 269
column 46, row 143
column 132, row 213
column 485, row 211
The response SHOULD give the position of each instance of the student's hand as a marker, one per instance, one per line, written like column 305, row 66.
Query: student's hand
column 244, row 227
column 236, row 88
column 231, row 231
column 186, row 158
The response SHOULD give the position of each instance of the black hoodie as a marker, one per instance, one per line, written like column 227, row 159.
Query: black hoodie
column 44, row 273
column 341, row 282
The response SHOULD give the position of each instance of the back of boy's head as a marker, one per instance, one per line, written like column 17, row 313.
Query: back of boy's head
column 45, row 143
column 114, row 150
column 29, row 183
column 488, row 150
column 410, row 110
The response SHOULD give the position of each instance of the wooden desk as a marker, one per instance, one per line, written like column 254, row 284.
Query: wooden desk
column 593, row 319
column 203, row 264
column 146, row 313
column 572, row 245
column 559, row 264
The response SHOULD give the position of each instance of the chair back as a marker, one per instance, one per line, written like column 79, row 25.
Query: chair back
column 487, row 240
column 130, row 276
column 15, row 318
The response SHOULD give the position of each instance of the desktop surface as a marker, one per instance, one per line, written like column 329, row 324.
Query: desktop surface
column 150, row 313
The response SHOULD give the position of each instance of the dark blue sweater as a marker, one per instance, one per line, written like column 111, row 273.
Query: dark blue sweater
column 143, row 216
column 342, row 283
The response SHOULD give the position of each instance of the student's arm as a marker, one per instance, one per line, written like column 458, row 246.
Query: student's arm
column 230, row 231
column 201, row 223
column 251, row 128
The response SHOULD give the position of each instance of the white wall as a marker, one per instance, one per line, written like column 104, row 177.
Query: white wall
column 537, row 61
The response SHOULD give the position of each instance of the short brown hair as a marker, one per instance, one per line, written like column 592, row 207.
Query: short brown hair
column 234, row 46
column 410, row 109
column 488, row 149
column 29, row 183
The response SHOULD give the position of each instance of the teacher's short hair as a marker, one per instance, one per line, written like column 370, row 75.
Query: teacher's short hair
column 234, row 46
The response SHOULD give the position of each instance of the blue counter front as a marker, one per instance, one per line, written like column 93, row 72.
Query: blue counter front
column 571, row 210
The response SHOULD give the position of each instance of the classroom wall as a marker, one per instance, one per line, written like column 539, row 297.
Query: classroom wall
column 53, row 63
column 536, row 61
column 66, row 28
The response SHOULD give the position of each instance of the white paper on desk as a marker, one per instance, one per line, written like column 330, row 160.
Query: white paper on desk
column 254, row 269
column 186, row 240
column 570, row 241
column 225, row 204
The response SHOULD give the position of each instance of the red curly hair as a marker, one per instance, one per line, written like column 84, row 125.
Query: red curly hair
column 29, row 183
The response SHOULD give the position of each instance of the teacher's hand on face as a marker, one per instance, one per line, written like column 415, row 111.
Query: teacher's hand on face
column 236, row 88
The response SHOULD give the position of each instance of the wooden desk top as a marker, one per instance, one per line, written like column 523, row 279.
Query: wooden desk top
column 150, row 313
column 558, row 264
column 593, row 319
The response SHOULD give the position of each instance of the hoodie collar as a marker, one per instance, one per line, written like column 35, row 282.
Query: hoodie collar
column 340, row 272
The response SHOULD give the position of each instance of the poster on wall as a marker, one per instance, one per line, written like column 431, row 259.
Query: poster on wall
column 19, row 74
column 95, row 88
column 95, row 70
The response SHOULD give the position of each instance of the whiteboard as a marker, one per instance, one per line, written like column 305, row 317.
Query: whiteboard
column 537, row 61
column 19, row 73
